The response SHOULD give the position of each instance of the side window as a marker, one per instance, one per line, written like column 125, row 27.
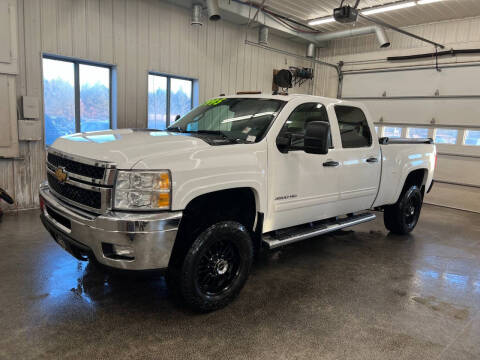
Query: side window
column 298, row 120
column 354, row 129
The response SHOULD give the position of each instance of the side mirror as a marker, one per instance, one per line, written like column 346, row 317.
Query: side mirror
column 177, row 117
column 284, row 142
column 316, row 138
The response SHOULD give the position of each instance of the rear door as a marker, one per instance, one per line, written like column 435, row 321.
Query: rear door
column 360, row 159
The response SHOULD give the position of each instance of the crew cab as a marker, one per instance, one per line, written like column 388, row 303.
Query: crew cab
column 201, row 197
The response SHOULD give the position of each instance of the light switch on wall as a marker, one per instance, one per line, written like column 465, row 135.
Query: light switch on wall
column 29, row 130
column 31, row 109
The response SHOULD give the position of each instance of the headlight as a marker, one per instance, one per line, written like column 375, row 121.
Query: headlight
column 142, row 190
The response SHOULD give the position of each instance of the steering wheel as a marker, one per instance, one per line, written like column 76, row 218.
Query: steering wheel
column 5, row 196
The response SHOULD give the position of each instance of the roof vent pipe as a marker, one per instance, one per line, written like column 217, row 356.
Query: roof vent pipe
column 382, row 37
column 311, row 50
column 263, row 35
column 196, row 15
column 213, row 10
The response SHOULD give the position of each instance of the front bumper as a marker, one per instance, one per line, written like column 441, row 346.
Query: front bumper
column 150, row 235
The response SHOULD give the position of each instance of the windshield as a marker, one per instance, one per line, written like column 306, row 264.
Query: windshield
column 241, row 119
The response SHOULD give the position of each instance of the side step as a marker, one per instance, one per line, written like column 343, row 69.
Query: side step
column 299, row 233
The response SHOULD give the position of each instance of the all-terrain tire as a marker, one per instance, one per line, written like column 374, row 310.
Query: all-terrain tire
column 402, row 217
column 216, row 266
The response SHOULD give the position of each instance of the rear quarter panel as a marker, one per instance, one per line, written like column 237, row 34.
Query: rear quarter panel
column 399, row 160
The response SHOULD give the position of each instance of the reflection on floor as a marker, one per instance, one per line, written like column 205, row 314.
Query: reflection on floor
column 359, row 293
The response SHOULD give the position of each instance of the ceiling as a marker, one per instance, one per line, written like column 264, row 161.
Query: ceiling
column 305, row 10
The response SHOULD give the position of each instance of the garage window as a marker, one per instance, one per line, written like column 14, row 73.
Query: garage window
column 472, row 137
column 446, row 136
column 168, row 97
column 417, row 133
column 392, row 132
column 76, row 95
column 354, row 129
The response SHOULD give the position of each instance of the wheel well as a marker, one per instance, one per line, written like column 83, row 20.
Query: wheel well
column 417, row 177
column 233, row 204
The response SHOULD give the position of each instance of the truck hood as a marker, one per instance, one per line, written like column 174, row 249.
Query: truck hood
column 127, row 147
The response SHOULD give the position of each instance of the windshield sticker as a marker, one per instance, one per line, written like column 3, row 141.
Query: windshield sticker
column 246, row 130
column 214, row 102
column 251, row 138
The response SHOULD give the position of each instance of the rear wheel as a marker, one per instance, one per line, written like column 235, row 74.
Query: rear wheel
column 402, row 217
column 216, row 266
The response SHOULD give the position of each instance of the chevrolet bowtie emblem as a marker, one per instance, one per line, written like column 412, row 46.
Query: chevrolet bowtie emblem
column 61, row 175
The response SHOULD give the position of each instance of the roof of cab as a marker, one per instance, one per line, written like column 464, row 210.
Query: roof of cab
column 283, row 97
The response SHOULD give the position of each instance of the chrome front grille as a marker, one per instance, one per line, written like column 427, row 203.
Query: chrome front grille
column 81, row 182
column 76, row 167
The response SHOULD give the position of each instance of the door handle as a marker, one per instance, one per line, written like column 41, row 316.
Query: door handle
column 331, row 163
column 372, row 160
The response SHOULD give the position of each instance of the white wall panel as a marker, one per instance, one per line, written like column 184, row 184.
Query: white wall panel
column 452, row 81
column 453, row 112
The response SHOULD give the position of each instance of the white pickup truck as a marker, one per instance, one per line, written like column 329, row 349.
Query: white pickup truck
column 201, row 197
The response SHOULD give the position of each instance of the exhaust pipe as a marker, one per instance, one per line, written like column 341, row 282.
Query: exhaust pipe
column 382, row 37
column 379, row 31
column 213, row 10
column 196, row 15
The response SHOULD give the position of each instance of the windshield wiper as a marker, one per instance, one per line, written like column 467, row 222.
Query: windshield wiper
column 221, row 133
column 176, row 129
column 213, row 132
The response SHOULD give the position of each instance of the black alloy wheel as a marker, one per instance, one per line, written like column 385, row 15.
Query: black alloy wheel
column 216, row 266
column 402, row 217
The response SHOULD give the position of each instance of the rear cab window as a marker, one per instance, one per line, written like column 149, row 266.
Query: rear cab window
column 354, row 129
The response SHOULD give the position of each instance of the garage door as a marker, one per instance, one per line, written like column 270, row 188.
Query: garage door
column 444, row 105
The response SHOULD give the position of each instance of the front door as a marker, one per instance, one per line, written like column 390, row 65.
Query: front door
column 305, row 187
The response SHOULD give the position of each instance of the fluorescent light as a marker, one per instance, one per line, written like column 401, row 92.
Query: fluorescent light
column 389, row 8
column 321, row 21
column 422, row 2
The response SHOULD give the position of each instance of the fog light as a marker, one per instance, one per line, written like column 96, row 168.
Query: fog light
column 118, row 252
column 122, row 250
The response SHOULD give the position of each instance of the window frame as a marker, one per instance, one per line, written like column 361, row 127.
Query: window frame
column 460, row 132
column 169, row 78
column 300, row 148
column 407, row 131
column 464, row 138
column 402, row 130
column 372, row 142
column 76, row 73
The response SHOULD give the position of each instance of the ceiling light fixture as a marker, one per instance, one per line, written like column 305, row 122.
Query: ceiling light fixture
column 423, row 2
column 389, row 8
column 377, row 10
column 321, row 21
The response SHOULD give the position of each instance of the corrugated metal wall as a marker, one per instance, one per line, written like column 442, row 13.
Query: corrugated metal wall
column 136, row 36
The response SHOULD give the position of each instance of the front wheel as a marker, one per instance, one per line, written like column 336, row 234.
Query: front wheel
column 216, row 266
column 402, row 217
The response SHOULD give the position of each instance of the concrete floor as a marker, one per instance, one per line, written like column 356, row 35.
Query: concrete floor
column 359, row 294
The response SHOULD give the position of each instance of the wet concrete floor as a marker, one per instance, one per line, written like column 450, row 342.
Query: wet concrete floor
column 356, row 294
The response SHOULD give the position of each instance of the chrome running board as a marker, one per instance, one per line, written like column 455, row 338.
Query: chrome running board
column 299, row 233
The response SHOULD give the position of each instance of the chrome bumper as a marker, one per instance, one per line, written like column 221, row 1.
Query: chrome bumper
column 151, row 236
